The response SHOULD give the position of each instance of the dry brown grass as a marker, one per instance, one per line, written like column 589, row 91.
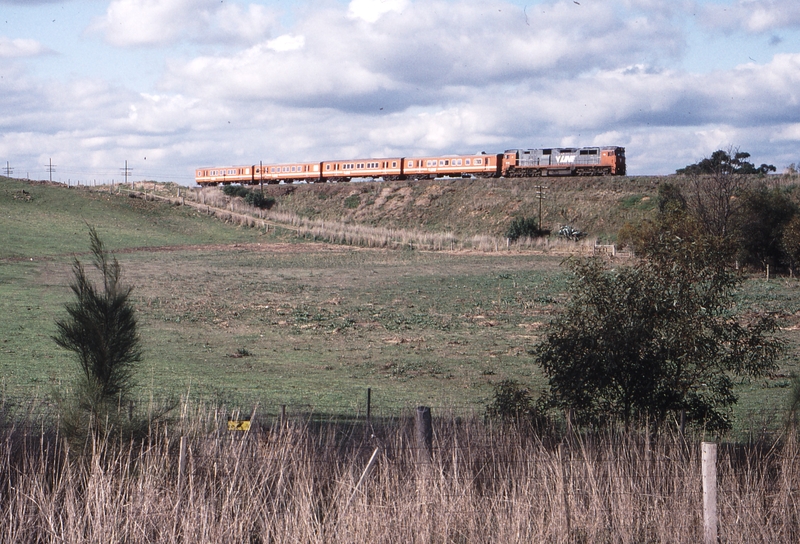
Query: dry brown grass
column 296, row 482
column 212, row 201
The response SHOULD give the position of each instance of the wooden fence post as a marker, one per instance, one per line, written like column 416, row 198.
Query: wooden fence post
column 565, row 491
column 709, row 492
column 424, row 432
column 369, row 406
column 181, row 463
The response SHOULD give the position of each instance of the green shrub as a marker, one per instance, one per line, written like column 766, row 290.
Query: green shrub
column 236, row 190
column 352, row 202
column 101, row 330
column 259, row 200
column 525, row 226
column 513, row 402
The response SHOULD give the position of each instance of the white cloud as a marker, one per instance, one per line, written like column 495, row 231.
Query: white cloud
column 372, row 10
column 21, row 47
column 159, row 22
column 286, row 42
column 414, row 55
column 754, row 16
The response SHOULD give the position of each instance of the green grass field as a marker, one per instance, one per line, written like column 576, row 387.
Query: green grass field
column 232, row 314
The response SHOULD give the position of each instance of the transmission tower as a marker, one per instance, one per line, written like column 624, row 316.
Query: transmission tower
column 51, row 168
column 126, row 172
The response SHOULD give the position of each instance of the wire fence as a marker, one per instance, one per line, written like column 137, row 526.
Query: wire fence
column 497, row 481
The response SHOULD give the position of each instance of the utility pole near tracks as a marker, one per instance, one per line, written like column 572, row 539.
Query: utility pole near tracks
column 540, row 195
column 9, row 170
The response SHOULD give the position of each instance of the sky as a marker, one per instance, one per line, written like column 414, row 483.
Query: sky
column 173, row 85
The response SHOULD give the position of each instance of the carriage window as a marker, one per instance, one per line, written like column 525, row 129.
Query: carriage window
column 410, row 164
column 466, row 162
column 394, row 164
column 478, row 161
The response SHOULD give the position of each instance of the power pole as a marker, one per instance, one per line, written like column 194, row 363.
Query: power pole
column 9, row 170
column 540, row 195
column 126, row 171
column 51, row 168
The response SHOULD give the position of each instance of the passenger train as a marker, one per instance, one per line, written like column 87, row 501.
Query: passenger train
column 565, row 161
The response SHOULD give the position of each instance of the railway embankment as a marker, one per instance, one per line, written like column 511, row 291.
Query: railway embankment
column 437, row 215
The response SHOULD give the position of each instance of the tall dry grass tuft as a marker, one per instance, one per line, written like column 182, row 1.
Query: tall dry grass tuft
column 297, row 481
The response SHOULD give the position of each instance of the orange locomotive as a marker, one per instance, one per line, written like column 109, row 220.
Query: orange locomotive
column 566, row 161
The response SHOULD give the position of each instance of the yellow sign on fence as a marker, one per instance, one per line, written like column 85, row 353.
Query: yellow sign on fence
column 239, row 425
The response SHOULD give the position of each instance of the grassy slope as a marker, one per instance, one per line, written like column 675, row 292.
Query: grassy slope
column 474, row 206
column 42, row 227
column 321, row 323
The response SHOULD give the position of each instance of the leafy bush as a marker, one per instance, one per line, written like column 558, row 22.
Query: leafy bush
column 760, row 227
column 352, row 202
column 525, row 227
column 236, row 190
column 513, row 402
column 655, row 338
column 254, row 198
column 259, row 200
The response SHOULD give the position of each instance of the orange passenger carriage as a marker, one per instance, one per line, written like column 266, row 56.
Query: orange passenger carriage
column 290, row 172
column 337, row 171
column 479, row 165
column 224, row 175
